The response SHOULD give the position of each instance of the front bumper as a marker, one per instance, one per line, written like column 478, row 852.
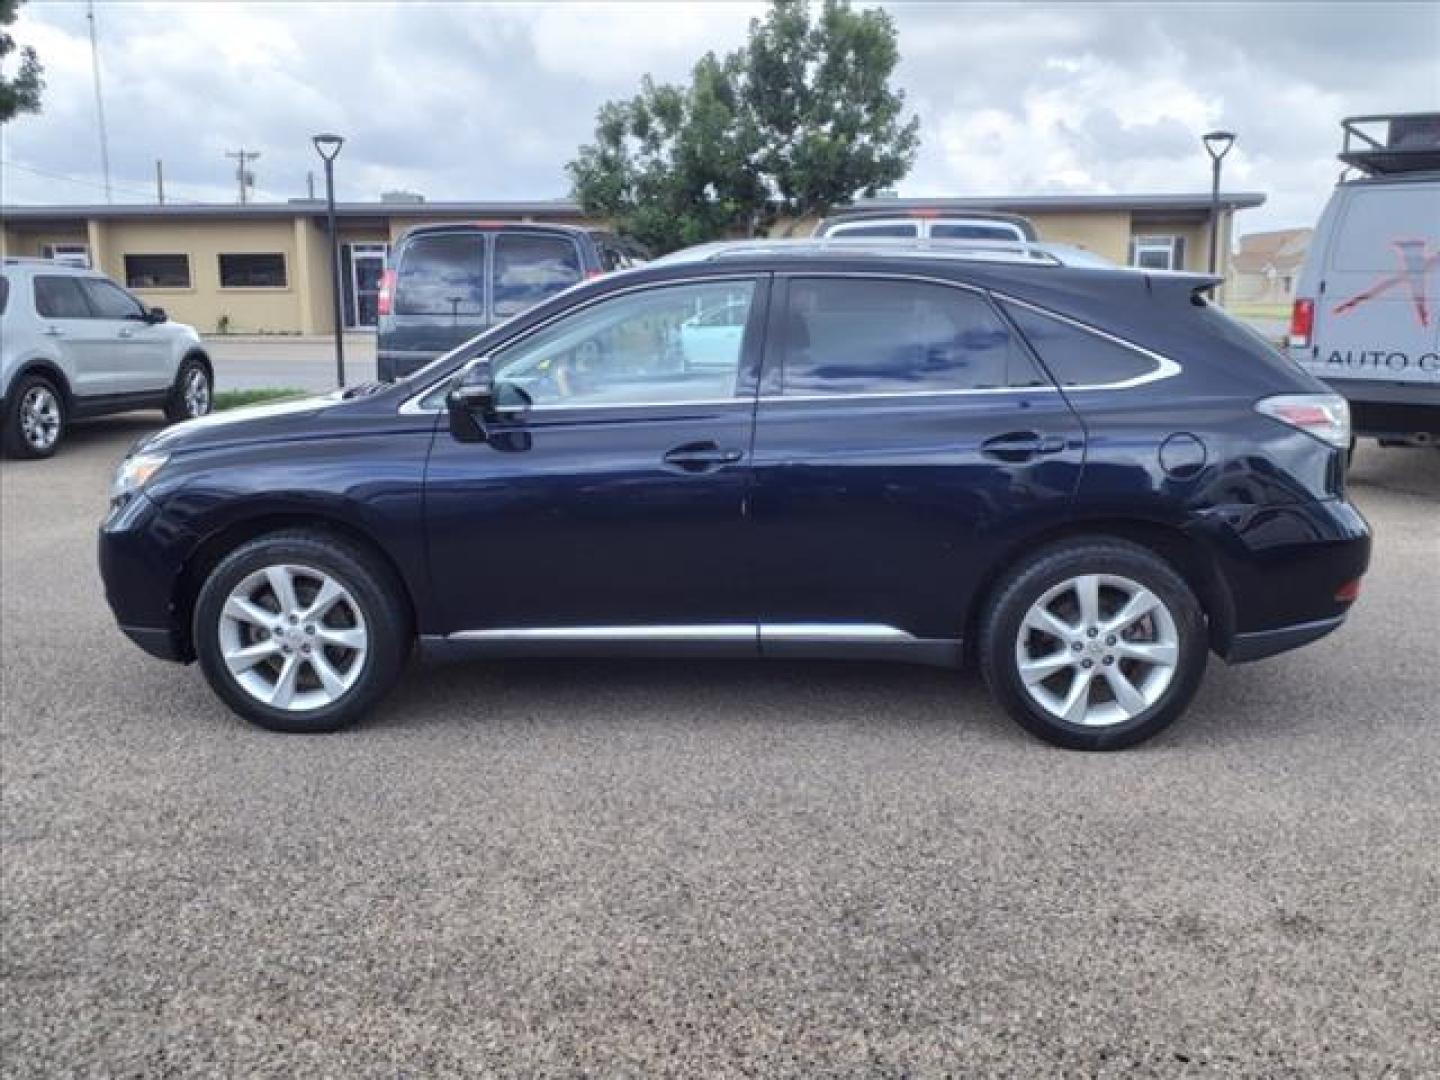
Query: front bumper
column 141, row 554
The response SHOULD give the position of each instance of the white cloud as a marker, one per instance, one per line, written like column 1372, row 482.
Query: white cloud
column 479, row 101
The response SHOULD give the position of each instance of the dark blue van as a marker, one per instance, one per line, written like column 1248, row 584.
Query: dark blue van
column 449, row 282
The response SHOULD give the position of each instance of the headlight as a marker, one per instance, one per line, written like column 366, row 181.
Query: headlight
column 134, row 473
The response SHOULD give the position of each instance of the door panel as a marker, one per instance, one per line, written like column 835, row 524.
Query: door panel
column 616, row 499
column 885, row 507
column 136, row 354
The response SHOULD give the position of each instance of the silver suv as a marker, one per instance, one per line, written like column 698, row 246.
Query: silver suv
column 75, row 344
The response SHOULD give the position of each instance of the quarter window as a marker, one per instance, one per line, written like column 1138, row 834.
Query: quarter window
column 110, row 301
column 672, row 344
column 252, row 271
column 157, row 271
column 856, row 336
column 59, row 297
column 1078, row 357
column 528, row 268
column 442, row 274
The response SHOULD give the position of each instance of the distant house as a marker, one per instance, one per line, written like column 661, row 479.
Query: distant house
column 1266, row 266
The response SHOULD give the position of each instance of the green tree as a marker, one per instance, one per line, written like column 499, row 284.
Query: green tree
column 22, row 92
column 800, row 119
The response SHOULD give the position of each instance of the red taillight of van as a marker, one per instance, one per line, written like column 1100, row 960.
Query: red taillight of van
column 387, row 292
column 1302, row 323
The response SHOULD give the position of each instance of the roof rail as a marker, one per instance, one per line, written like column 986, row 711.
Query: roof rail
column 1391, row 144
column 1002, row 251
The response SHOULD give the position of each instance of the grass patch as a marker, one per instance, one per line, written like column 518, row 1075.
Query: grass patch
column 234, row 399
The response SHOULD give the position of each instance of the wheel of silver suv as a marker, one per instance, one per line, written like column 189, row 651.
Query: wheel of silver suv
column 40, row 418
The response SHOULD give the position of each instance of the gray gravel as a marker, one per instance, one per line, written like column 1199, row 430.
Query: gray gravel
column 627, row 869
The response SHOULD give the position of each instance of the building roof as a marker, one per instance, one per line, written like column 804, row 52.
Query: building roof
column 566, row 208
column 550, row 208
column 1229, row 200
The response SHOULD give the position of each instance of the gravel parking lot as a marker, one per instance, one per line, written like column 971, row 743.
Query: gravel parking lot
column 687, row 868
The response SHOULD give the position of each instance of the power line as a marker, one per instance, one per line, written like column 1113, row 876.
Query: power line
column 91, row 183
column 99, row 100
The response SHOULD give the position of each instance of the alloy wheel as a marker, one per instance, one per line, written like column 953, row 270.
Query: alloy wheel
column 1097, row 650
column 293, row 637
column 196, row 393
column 40, row 417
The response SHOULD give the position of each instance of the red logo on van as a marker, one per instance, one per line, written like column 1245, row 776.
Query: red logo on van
column 1416, row 261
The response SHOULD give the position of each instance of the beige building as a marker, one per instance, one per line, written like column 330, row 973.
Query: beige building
column 264, row 267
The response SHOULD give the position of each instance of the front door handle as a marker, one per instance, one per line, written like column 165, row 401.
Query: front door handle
column 1017, row 446
column 701, row 457
column 54, row 331
column 127, row 332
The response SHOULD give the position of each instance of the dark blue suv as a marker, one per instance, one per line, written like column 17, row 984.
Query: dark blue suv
column 1087, row 478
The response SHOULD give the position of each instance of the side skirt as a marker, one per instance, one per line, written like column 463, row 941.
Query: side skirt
column 811, row 641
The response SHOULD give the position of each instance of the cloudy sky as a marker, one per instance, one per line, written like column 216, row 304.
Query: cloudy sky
column 477, row 101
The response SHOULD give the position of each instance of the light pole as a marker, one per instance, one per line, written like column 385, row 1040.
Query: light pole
column 328, row 147
column 1217, row 145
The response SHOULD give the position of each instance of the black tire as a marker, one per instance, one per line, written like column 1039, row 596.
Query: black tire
column 182, row 405
column 21, row 441
column 376, row 593
column 1028, row 583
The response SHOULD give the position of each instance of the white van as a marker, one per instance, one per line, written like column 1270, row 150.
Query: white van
column 1366, row 318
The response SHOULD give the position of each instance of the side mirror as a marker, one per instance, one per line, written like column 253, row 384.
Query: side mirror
column 470, row 399
column 156, row 315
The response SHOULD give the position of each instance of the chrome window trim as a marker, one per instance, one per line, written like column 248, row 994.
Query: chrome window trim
column 1165, row 368
column 411, row 405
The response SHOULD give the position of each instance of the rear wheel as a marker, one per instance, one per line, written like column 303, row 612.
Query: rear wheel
column 301, row 631
column 192, row 394
column 1094, row 644
column 35, row 418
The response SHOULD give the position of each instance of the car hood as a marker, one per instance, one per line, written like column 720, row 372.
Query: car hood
column 288, row 418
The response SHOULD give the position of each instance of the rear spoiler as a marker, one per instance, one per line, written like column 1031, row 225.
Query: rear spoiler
column 1197, row 285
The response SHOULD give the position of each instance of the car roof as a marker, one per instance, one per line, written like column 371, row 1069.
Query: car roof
column 893, row 248
column 497, row 226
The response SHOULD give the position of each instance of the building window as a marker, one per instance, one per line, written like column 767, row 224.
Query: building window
column 69, row 254
column 1158, row 252
column 157, row 271
column 249, row 271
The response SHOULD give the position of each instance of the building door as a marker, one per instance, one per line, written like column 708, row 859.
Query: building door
column 364, row 263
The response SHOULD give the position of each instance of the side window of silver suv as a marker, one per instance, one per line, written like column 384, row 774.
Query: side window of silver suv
column 60, row 297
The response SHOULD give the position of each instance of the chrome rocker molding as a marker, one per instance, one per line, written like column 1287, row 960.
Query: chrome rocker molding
column 821, row 641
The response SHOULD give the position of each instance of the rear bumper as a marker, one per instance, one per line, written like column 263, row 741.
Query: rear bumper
column 1283, row 568
column 1390, row 409
column 1258, row 644
column 391, row 365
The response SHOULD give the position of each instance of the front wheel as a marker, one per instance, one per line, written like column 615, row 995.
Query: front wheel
column 301, row 631
column 1094, row 644
column 193, row 392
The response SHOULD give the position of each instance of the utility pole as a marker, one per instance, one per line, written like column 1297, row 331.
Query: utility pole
column 246, row 179
column 160, row 181
column 99, row 100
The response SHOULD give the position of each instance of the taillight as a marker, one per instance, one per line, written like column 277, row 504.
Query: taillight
column 1326, row 416
column 1349, row 592
column 386, row 298
column 1302, row 323
column 591, row 275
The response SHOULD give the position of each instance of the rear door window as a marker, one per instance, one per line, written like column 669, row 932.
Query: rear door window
column 879, row 230
column 1075, row 356
column 859, row 336
column 59, row 297
column 974, row 230
column 530, row 267
column 443, row 274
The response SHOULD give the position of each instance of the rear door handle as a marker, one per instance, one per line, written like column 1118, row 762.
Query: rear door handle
column 1018, row 446
column 54, row 331
column 701, row 457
